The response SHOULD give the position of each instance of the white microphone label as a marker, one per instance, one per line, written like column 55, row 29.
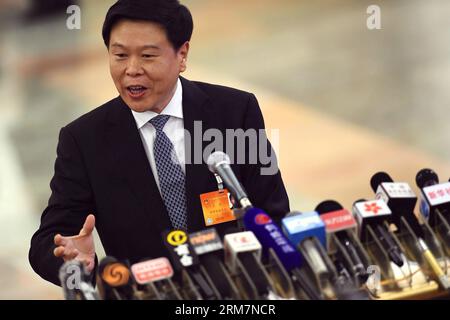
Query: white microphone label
column 438, row 193
column 242, row 242
column 398, row 190
column 300, row 223
column 152, row 270
column 374, row 208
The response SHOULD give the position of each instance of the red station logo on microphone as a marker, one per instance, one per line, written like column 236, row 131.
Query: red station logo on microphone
column 372, row 207
column 338, row 220
column 262, row 218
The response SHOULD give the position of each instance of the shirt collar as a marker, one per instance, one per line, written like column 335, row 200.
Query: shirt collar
column 174, row 108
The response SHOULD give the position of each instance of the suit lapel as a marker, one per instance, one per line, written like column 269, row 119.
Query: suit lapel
column 196, row 107
column 128, row 152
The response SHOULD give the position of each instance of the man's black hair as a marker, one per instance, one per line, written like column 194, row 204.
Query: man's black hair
column 174, row 17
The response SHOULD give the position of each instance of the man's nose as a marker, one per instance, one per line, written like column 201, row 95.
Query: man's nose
column 134, row 67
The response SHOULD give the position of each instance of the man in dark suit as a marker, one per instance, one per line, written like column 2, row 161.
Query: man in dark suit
column 125, row 169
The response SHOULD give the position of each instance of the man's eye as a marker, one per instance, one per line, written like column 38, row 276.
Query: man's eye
column 120, row 55
column 146, row 56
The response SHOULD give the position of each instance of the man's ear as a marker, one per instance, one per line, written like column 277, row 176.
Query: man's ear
column 183, row 55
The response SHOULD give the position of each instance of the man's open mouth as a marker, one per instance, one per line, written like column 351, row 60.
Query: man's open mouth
column 136, row 91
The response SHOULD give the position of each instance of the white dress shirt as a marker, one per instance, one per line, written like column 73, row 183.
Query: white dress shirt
column 174, row 129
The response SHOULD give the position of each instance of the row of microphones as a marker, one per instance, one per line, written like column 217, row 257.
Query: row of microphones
column 394, row 205
column 292, row 245
column 314, row 255
column 262, row 235
column 401, row 200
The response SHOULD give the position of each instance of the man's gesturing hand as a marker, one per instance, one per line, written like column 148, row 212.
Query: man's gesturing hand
column 80, row 247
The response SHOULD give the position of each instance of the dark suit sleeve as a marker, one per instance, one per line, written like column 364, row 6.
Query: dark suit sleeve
column 70, row 202
column 262, row 180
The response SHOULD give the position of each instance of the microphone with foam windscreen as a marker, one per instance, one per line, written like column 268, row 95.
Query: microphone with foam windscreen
column 76, row 281
column 183, row 256
column 339, row 221
column 115, row 281
column 209, row 249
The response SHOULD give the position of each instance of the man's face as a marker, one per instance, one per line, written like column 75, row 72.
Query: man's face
column 144, row 65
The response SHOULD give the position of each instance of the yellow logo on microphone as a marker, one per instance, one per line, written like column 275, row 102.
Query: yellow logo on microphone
column 177, row 237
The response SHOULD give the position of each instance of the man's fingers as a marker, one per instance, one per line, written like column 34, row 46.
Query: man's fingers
column 60, row 240
column 59, row 251
column 88, row 226
column 72, row 254
column 62, row 252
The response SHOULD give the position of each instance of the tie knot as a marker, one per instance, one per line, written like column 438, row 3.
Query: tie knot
column 159, row 121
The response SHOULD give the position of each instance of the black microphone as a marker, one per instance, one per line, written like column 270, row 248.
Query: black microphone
column 76, row 281
column 154, row 276
column 242, row 249
column 435, row 202
column 399, row 197
column 338, row 221
column 115, row 281
column 183, row 256
column 374, row 213
column 436, row 197
column 209, row 249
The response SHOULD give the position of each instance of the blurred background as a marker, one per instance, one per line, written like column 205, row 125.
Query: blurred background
column 348, row 101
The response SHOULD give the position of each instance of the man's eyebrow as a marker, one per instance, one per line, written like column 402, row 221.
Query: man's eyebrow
column 148, row 46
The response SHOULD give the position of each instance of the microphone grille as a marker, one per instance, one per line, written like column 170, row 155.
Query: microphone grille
column 379, row 178
column 328, row 206
column 359, row 200
column 426, row 176
column 215, row 159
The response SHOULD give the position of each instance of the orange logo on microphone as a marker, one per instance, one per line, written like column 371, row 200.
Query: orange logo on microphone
column 116, row 274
